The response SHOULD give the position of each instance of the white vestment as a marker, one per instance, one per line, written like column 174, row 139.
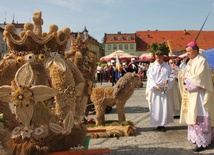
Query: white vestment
column 197, row 108
column 176, row 96
column 199, row 74
column 161, row 109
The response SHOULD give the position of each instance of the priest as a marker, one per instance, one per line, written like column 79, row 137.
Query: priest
column 197, row 109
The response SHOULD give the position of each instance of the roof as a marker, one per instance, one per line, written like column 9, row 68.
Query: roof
column 179, row 38
column 123, row 35
column 17, row 25
column 85, row 30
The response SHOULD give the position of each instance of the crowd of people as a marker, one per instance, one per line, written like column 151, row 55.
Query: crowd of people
column 182, row 89
column 110, row 73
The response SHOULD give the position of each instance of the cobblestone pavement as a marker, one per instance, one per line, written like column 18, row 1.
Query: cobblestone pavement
column 146, row 141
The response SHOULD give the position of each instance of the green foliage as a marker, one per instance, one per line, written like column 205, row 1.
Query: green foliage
column 103, row 64
column 158, row 46
column 102, row 50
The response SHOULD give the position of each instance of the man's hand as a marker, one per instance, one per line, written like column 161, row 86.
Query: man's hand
column 157, row 87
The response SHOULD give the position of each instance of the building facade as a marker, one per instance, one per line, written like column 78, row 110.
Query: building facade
column 120, row 41
column 3, row 46
column 2, row 43
column 141, row 39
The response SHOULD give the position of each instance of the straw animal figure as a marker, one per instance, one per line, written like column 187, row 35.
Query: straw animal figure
column 85, row 61
column 116, row 95
column 44, row 88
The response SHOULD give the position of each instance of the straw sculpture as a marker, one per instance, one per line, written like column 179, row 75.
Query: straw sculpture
column 44, row 88
column 85, row 61
column 116, row 95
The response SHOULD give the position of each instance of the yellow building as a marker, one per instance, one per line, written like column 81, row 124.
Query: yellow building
column 121, row 41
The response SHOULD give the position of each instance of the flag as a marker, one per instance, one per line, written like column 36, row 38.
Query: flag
column 118, row 65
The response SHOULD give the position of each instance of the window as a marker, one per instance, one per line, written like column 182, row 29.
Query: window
column 120, row 47
column 131, row 46
column 129, row 38
column 126, row 46
column 112, row 38
column 120, row 38
column 109, row 47
column 114, row 47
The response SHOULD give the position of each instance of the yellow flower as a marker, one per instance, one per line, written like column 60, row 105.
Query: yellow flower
column 21, row 96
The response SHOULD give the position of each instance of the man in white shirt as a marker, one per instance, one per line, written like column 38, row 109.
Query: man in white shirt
column 159, row 85
column 99, row 73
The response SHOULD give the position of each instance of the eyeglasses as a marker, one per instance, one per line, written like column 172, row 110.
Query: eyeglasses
column 171, row 63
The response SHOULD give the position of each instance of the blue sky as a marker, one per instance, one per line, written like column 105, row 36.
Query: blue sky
column 111, row 16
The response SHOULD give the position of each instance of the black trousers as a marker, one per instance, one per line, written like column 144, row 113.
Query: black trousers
column 99, row 77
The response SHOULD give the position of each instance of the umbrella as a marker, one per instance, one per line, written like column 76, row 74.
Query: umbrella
column 147, row 57
column 121, row 54
column 209, row 54
column 182, row 56
column 150, row 57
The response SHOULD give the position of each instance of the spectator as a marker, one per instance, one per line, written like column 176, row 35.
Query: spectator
column 99, row 73
column 124, row 69
column 133, row 67
column 106, row 72
column 112, row 71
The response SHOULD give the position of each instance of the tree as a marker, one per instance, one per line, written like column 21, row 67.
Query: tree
column 158, row 46
column 102, row 49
